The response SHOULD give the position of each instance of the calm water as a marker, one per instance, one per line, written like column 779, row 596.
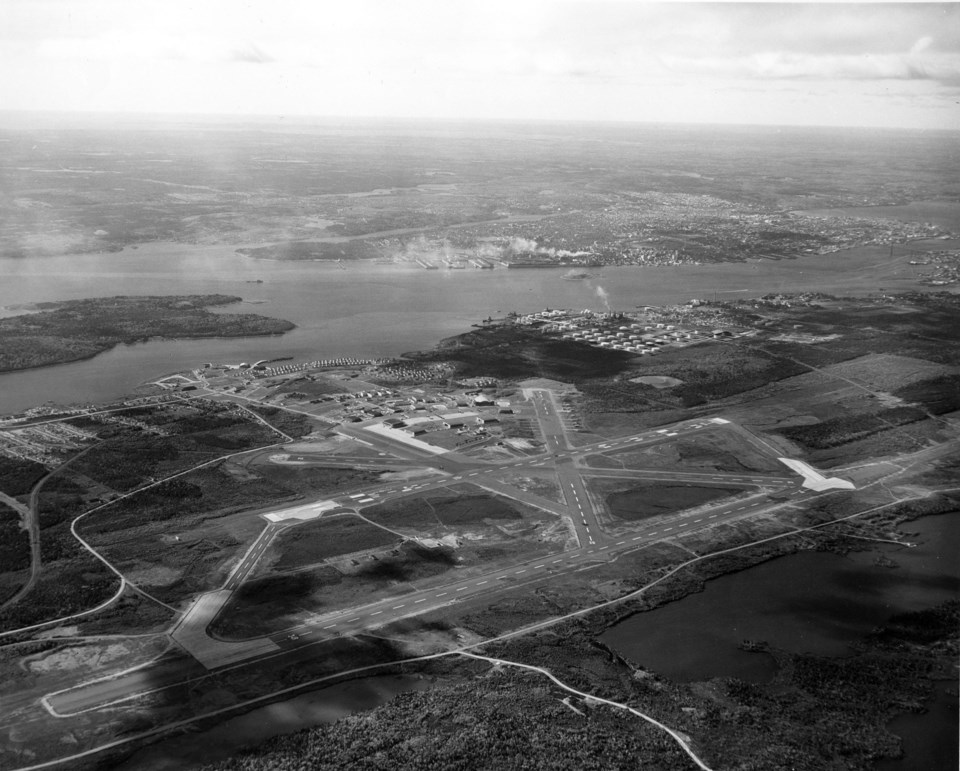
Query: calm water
column 369, row 310
column 806, row 603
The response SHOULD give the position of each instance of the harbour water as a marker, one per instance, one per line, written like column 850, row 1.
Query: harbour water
column 370, row 309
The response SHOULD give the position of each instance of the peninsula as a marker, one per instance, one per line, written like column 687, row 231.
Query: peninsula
column 78, row 329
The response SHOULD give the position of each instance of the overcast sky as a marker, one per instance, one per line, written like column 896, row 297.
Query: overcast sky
column 895, row 64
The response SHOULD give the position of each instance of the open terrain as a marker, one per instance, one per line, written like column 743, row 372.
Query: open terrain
column 281, row 537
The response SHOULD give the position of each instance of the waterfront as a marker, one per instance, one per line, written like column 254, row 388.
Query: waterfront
column 809, row 602
column 371, row 310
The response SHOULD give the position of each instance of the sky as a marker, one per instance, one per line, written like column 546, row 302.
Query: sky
column 847, row 64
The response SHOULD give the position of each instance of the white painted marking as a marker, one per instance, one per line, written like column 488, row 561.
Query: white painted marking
column 397, row 607
column 416, row 601
column 376, row 613
column 481, row 583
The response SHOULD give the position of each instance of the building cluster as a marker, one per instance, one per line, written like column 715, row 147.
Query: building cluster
column 944, row 268
column 260, row 370
column 632, row 333
column 398, row 372
column 364, row 405
column 657, row 228
column 44, row 443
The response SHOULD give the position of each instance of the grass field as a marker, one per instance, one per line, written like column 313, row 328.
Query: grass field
column 476, row 530
column 641, row 502
column 315, row 541
column 720, row 450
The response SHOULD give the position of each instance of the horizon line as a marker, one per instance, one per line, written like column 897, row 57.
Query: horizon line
column 93, row 116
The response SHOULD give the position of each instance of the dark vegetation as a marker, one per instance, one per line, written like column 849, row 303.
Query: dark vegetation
column 130, row 457
column 14, row 552
column 292, row 424
column 509, row 720
column 838, row 431
column 18, row 475
column 938, row 395
column 817, row 713
column 78, row 329
column 515, row 353
column 14, row 540
column 131, row 530
column 924, row 326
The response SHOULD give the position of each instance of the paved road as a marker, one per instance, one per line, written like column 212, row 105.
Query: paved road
column 595, row 546
column 576, row 506
column 377, row 614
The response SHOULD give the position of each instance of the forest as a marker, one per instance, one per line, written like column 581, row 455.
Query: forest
column 78, row 329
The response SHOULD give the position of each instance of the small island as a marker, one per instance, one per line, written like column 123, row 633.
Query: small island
column 78, row 329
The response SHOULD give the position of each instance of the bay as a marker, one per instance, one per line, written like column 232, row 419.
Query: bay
column 373, row 310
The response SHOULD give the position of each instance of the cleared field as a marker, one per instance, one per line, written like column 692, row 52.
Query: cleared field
column 443, row 512
column 887, row 372
column 271, row 601
column 645, row 501
column 657, row 381
column 312, row 542
column 462, row 532
column 721, row 450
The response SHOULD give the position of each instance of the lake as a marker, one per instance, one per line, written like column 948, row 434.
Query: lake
column 373, row 310
column 810, row 602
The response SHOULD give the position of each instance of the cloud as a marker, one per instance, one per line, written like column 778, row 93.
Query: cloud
column 142, row 46
column 249, row 52
column 917, row 64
